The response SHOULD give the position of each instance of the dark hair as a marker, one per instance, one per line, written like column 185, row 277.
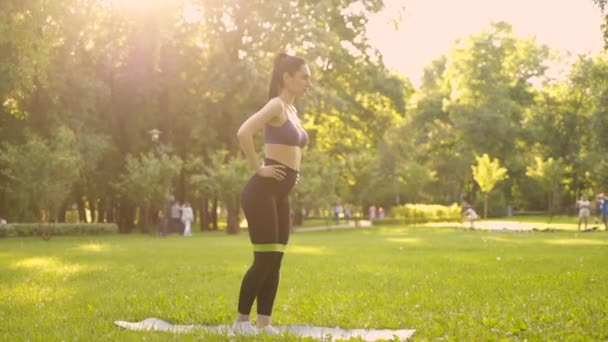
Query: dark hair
column 283, row 63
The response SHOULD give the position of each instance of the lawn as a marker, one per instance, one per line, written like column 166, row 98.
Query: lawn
column 448, row 284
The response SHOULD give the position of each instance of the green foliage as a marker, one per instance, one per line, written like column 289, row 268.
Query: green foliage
column 568, row 121
column 489, row 76
column 53, row 229
column 548, row 174
column 112, row 71
column 223, row 176
column 40, row 173
column 148, row 178
column 496, row 202
column 422, row 213
column 488, row 172
column 602, row 5
column 28, row 33
column 318, row 179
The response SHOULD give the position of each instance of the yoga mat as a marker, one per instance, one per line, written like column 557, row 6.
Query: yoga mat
column 327, row 334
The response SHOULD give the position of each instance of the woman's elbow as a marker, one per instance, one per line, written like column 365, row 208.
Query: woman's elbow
column 242, row 134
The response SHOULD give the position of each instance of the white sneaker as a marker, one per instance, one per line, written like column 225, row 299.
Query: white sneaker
column 269, row 329
column 244, row 328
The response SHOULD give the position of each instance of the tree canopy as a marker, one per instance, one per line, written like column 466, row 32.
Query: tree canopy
column 99, row 76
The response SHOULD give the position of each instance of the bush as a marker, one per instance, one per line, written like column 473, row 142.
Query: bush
column 497, row 204
column 48, row 229
column 423, row 213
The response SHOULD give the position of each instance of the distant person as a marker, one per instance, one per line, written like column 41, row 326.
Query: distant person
column 597, row 210
column 176, row 217
column 347, row 213
column 187, row 218
column 380, row 213
column 337, row 211
column 604, row 210
column 372, row 212
column 469, row 215
column 584, row 211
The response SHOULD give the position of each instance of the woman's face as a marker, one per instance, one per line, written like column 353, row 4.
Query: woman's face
column 298, row 83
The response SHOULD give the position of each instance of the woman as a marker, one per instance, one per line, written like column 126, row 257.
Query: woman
column 265, row 198
column 584, row 211
column 469, row 214
column 187, row 218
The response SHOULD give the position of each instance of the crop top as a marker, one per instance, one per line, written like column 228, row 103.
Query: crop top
column 286, row 134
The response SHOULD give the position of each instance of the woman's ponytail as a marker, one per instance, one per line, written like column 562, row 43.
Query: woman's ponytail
column 282, row 63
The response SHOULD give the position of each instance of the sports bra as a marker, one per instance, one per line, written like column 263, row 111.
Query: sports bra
column 286, row 134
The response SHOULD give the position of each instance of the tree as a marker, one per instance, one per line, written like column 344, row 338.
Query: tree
column 223, row 177
column 567, row 122
column 487, row 173
column 40, row 173
column 549, row 174
column 317, row 185
column 490, row 76
column 428, row 137
column 148, row 181
column 602, row 5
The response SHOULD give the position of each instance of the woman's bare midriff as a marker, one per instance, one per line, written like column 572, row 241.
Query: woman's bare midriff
column 284, row 154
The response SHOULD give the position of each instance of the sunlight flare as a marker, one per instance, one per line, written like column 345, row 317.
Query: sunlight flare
column 94, row 247
column 576, row 242
column 49, row 265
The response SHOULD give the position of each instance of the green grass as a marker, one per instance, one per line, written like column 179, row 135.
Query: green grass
column 448, row 284
column 319, row 222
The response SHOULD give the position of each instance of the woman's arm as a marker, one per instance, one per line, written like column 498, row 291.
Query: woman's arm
column 255, row 123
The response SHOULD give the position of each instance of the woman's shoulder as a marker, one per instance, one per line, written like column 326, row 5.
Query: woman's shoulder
column 274, row 106
column 275, row 102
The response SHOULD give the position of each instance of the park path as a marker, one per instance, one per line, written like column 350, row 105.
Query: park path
column 350, row 225
column 494, row 225
column 516, row 226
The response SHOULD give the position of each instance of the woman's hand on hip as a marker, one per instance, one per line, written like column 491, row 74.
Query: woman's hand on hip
column 272, row 171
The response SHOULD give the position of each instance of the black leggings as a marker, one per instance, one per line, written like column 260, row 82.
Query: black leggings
column 265, row 202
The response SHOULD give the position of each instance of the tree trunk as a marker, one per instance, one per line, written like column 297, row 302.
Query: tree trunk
column 143, row 218
column 152, row 218
column 111, row 211
column 82, row 213
column 555, row 200
column 125, row 216
column 232, row 220
column 485, row 205
column 93, row 208
column 214, row 214
column 101, row 210
column 204, row 215
column 62, row 211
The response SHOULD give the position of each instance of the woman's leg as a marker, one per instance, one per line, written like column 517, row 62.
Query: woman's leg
column 586, row 219
column 254, row 281
column 268, row 290
column 260, row 211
